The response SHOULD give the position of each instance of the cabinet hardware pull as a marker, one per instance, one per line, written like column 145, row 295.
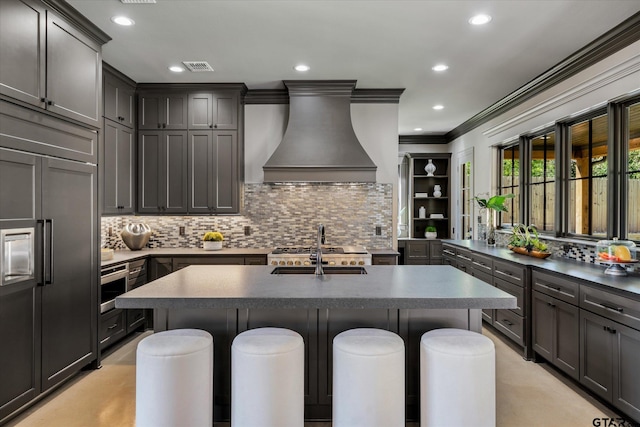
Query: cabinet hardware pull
column 164, row 125
column 551, row 304
column 49, row 102
column 159, row 125
column 210, row 125
column 611, row 307
column 610, row 330
column 113, row 326
column 507, row 322
column 215, row 126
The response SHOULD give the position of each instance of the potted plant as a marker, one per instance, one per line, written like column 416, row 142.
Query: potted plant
column 212, row 241
column 524, row 240
column 430, row 232
column 493, row 205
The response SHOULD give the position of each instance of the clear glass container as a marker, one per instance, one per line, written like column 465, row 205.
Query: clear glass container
column 616, row 253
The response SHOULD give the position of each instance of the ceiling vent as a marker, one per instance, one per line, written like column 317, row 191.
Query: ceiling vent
column 198, row 66
column 137, row 1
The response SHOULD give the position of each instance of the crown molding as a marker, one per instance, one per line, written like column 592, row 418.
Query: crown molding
column 422, row 139
column 79, row 20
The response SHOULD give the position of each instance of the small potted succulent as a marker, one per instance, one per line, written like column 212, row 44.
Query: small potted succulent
column 430, row 232
column 212, row 241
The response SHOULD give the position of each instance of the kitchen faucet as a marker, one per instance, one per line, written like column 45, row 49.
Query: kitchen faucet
column 318, row 254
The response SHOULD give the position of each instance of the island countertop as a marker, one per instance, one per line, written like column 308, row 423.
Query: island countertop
column 234, row 286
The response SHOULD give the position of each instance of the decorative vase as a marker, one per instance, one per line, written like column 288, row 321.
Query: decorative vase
column 437, row 191
column 430, row 168
column 491, row 227
column 211, row 245
column 136, row 236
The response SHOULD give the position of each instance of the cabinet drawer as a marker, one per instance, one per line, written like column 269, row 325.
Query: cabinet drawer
column 485, row 277
column 510, row 272
column 435, row 249
column 255, row 260
column 556, row 286
column 514, row 290
column 112, row 327
column 510, row 324
column 137, row 269
column 417, row 250
column 464, row 256
column 614, row 307
column 384, row 260
column 448, row 251
column 135, row 318
column 482, row 262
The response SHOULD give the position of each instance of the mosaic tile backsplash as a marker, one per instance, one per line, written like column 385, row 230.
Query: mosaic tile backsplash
column 278, row 215
column 585, row 252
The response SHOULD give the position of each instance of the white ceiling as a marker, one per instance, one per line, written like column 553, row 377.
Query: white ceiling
column 381, row 44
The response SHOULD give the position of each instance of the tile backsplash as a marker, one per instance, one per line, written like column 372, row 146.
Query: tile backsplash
column 276, row 215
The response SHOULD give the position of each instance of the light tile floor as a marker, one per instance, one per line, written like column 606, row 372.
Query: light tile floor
column 528, row 395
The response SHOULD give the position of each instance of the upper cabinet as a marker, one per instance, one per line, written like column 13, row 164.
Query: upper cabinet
column 165, row 111
column 213, row 110
column 119, row 99
column 429, row 188
column 49, row 63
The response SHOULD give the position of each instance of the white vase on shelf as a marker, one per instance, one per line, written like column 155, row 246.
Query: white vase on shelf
column 437, row 192
column 430, row 168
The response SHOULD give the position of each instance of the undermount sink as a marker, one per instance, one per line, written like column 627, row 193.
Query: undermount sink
column 311, row 270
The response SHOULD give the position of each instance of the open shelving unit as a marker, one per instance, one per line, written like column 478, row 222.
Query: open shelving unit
column 420, row 182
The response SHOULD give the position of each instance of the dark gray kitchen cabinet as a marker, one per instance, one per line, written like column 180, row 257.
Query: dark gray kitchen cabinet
column 119, row 98
column 49, row 63
column 213, row 110
column 162, row 172
column 159, row 267
column 449, row 255
column 167, row 110
column 556, row 332
column 113, row 327
column 422, row 251
column 213, row 172
column 377, row 259
column 118, row 169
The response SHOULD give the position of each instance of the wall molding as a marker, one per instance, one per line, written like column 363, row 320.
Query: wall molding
column 358, row 96
column 422, row 139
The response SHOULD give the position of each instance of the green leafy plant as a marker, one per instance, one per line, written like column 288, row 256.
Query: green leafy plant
column 526, row 236
column 495, row 202
column 213, row 236
column 430, row 229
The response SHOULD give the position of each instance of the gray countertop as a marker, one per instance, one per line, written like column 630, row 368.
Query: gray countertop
column 581, row 270
column 402, row 287
column 127, row 255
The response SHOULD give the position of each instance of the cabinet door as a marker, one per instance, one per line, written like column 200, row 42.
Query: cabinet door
column 118, row 168
column 22, row 49
column 200, row 111
column 417, row 251
column 596, row 355
column 566, row 350
column 126, row 102
column 118, row 101
column 175, row 181
column 626, row 381
column 201, row 179
column 74, row 73
column 225, row 172
column 150, row 173
column 543, row 311
column 150, row 111
column 69, row 302
column 225, row 110
column 175, row 111
column 19, row 183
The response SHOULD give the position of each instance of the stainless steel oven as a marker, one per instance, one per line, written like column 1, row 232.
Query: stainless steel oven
column 17, row 261
column 114, row 281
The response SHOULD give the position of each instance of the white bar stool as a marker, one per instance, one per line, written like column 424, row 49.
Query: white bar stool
column 457, row 379
column 174, row 379
column 267, row 378
column 368, row 379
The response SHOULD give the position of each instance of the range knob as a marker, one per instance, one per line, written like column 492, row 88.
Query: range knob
column 289, row 262
column 274, row 262
column 282, row 262
column 360, row 262
column 344, row 263
column 332, row 263
column 307, row 263
column 352, row 262
column 298, row 262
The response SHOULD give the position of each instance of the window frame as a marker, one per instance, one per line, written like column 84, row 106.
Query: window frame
column 506, row 146
column 528, row 184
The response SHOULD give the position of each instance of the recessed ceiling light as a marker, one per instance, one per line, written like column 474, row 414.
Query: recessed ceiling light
column 302, row 68
column 176, row 69
column 417, row 129
column 440, row 67
column 438, row 107
column 122, row 20
column 480, row 19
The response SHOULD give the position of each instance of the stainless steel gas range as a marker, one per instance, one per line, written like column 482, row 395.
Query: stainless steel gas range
column 339, row 256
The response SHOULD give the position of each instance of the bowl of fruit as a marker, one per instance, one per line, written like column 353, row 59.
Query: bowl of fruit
column 616, row 253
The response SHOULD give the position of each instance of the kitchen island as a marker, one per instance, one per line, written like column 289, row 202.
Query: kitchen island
column 227, row 300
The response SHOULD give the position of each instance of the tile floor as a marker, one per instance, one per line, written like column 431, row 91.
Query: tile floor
column 528, row 394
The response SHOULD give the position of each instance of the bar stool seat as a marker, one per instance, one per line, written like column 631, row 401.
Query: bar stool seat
column 174, row 379
column 267, row 378
column 457, row 379
column 368, row 379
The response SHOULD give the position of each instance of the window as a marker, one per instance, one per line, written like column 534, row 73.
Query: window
column 466, row 200
column 510, row 183
column 632, row 172
column 587, row 201
column 542, row 177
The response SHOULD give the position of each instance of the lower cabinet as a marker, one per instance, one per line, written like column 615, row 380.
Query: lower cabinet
column 556, row 331
column 113, row 326
column 422, row 251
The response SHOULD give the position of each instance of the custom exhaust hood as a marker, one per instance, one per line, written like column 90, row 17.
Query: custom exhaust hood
column 319, row 144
